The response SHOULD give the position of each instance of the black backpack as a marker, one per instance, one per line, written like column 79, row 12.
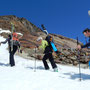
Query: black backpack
column 48, row 49
column 48, row 39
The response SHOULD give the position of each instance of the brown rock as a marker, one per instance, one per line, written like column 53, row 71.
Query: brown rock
column 39, row 57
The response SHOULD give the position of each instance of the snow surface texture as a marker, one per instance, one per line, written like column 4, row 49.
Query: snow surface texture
column 23, row 77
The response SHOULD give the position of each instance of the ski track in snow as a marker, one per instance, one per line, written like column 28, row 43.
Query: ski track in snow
column 23, row 77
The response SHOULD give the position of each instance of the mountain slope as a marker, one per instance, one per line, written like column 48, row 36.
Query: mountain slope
column 23, row 77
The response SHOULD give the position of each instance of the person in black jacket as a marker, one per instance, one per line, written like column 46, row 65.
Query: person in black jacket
column 86, row 32
column 11, row 51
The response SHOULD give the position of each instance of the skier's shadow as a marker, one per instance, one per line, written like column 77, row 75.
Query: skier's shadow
column 3, row 64
column 39, row 68
column 77, row 76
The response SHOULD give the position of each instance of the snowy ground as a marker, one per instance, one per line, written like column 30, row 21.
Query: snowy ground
column 23, row 77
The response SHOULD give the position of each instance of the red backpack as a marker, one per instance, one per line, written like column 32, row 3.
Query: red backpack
column 15, row 39
column 15, row 36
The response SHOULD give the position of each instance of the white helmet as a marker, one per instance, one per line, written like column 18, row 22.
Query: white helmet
column 39, row 38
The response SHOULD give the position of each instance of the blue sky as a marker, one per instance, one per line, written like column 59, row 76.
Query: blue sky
column 65, row 17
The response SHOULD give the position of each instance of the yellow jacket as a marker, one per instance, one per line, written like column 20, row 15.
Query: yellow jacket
column 44, row 44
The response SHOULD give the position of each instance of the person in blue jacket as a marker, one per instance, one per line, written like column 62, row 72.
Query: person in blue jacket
column 86, row 32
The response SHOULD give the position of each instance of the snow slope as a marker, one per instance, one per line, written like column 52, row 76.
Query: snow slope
column 23, row 77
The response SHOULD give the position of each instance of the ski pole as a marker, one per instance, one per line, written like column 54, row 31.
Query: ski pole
column 78, row 58
column 89, row 64
column 12, row 28
column 35, row 61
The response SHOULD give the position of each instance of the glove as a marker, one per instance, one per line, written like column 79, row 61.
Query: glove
column 58, row 53
column 20, row 51
column 37, row 46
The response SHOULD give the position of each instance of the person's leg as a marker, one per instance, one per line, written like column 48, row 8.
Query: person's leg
column 12, row 62
column 45, row 62
column 51, row 59
column 14, row 49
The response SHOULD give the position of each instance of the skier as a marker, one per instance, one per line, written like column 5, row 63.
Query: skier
column 16, row 45
column 48, row 54
column 86, row 32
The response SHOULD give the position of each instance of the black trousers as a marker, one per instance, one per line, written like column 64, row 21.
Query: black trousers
column 50, row 57
column 11, row 57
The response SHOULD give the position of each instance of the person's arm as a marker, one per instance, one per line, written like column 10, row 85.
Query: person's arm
column 4, row 42
column 86, row 45
column 20, row 36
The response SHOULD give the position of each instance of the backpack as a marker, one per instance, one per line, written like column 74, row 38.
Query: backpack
column 15, row 36
column 15, row 39
column 50, row 41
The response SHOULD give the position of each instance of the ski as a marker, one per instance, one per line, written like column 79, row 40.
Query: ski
column 12, row 30
column 53, row 46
